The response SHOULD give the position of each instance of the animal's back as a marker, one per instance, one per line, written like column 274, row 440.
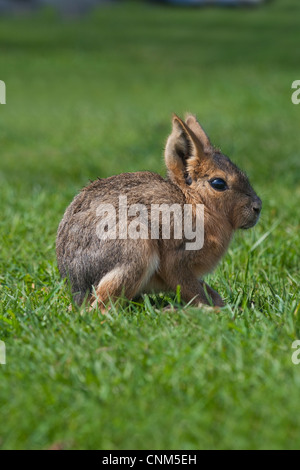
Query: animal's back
column 82, row 256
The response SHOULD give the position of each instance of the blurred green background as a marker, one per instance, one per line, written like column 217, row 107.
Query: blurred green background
column 93, row 96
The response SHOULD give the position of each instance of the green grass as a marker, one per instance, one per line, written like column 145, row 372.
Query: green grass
column 94, row 98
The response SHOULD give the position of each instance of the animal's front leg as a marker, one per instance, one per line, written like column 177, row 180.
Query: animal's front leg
column 217, row 300
column 200, row 293
column 191, row 289
column 175, row 272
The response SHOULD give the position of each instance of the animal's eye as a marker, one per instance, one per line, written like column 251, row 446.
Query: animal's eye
column 218, row 184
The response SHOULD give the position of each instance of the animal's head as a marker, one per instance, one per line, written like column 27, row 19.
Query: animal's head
column 205, row 173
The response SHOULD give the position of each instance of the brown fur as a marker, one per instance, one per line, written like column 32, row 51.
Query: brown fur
column 129, row 267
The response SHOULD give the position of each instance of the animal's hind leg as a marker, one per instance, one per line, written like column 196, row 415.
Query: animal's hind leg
column 125, row 280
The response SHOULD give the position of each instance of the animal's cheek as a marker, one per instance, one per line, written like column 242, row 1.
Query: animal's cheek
column 239, row 213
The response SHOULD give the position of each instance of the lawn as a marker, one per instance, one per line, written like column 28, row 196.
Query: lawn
column 94, row 97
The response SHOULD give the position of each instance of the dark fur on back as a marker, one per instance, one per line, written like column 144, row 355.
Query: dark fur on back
column 81, row 255
column 105, row 269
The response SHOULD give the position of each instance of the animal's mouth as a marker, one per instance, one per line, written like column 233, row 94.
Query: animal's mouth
column 250, row 224
column 253, row 214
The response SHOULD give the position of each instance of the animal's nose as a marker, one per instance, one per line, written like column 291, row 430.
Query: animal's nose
column 256, row 206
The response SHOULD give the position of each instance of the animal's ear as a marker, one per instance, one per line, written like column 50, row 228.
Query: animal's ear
column 193, row 124
column 183, row 151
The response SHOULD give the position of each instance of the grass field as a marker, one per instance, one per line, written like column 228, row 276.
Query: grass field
column 94, row 98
